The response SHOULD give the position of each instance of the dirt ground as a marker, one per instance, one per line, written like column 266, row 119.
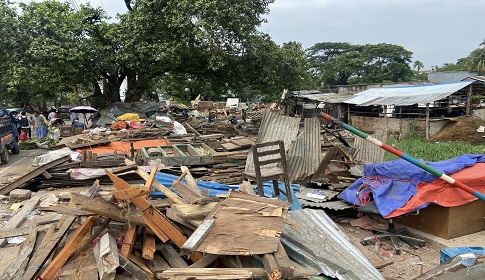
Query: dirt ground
column 462, row 129
column 410, row 264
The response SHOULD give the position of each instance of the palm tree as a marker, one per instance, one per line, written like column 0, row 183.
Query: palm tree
column 476, row 60
column 418, row 65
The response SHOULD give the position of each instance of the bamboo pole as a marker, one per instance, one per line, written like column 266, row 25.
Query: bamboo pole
column 406, row 157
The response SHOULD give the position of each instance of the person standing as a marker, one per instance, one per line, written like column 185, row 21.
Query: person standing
column 39, row 124
column 25, row 124
column 51, row 115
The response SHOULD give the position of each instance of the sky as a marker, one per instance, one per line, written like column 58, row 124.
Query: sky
column 436, row 31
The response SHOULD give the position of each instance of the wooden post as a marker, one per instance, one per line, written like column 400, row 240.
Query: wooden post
column 128, row 242
column 427, row 120
column 468, row 111
column 148, row 249
column 400, row 121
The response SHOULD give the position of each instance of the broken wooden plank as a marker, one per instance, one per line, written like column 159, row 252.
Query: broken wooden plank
column 189, row 178
column 130, row 193
column 285, row 265
column 160, row 225
column 168, row 193
column 157, row 264
column 80, row 267
column 148, row 248
column 20, row 262
column 20, row 231
column 151, row 178
column 271, row 267
column 32, row 174
column 66, row 209
column 131, row 268
column 20, row 216
column 259, row 223
column 101, row 207
column 190, row 246
column 212, row 273
column 191, row 195
column 128, row 241
column 138, row 260
column 194, row 211
column 172, row 257
column 206, row 260
column 106, row 255
column 51, row 243
column 51, row 271
column 246, row 187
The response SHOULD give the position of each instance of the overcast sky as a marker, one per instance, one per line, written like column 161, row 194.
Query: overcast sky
column 436, row 31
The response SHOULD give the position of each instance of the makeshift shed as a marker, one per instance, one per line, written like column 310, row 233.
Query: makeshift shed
column 415, row 101
column 310, row 103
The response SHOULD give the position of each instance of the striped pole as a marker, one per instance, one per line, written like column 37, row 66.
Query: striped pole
column 406, row 157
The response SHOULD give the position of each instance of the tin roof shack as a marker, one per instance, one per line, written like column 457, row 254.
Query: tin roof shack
column 427, row 106
column 310, row 103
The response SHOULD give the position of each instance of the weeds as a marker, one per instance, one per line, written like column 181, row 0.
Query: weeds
column 416, row 146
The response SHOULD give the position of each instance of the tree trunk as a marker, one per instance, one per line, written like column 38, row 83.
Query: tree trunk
column 111, row 90
column 134, row 90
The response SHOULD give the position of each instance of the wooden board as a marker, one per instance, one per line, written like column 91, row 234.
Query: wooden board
column 31, row 175
column 20, row 216
column 259, row 223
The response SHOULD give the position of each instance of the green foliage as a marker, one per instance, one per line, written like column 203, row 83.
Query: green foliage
column 476, row 60
column 459, row 66
column 418, row 65
column 344, row 63
column 416, row 146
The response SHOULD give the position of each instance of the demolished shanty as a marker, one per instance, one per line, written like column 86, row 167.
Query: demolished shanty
column 148, row 203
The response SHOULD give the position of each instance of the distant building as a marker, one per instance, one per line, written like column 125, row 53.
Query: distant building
column 448, row 77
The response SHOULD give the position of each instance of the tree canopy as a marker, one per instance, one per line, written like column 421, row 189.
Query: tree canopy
column 184, row 47
column 345, row 63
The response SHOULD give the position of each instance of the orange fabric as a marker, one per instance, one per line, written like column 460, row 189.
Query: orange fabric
column 443, row 193
column 123, row 147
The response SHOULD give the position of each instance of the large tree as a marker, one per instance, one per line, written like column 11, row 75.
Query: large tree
column 196, row 39
column 344, row 63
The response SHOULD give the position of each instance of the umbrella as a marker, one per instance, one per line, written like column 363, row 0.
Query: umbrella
column 65, row 107
column 83, row 110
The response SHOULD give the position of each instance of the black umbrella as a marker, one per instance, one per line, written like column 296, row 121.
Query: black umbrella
column 83, row 110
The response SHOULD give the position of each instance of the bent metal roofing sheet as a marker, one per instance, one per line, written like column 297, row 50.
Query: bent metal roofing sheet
column 406, row 95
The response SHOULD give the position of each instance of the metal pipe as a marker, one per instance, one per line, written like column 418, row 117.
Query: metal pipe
column 406, row 157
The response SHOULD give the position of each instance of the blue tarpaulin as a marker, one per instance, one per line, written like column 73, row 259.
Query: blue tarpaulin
column 217, row 188
column 391, row 184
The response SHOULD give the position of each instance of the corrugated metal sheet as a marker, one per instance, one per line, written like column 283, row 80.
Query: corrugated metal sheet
column 337, row 205
column 406, row 95
column 275, row 126
column 303, row 156
column 369, row 152
column 464, row 266
column 319, row 243
column 326, row 97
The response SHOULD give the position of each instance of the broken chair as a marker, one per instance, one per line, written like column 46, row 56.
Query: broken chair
column 269, row 164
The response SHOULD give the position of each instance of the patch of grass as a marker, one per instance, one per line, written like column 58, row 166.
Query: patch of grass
column 416, row 146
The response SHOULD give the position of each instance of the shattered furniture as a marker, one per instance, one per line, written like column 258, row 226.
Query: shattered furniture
column 180, row 154
column 269, row 164
column 396, row 237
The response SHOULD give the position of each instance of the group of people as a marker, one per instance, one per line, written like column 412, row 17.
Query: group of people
column 40, row 122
